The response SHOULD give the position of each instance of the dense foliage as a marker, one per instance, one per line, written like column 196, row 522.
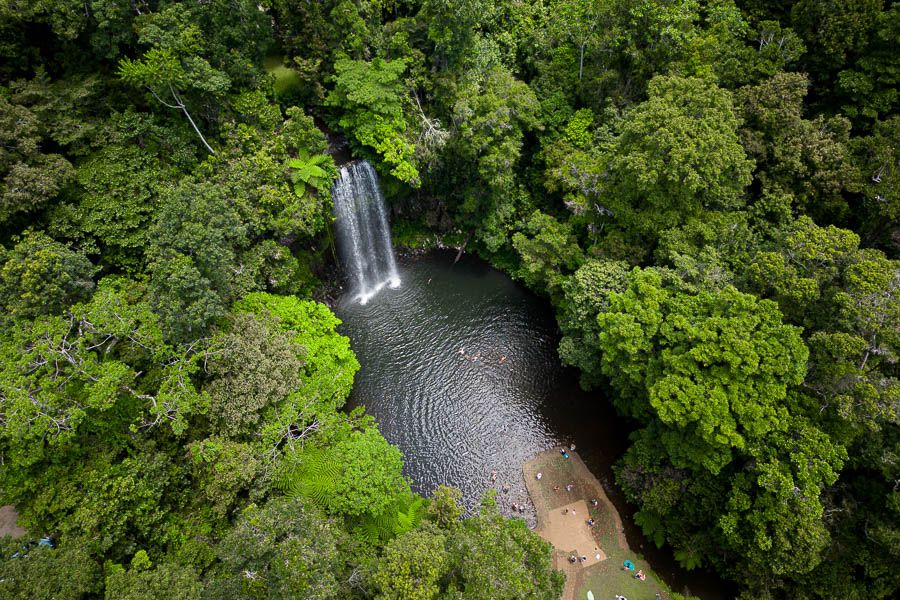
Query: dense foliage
column 707, row 191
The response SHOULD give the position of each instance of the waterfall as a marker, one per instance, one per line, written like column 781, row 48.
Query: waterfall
column 363, row 234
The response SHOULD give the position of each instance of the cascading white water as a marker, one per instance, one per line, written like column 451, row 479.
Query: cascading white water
column 363, row 233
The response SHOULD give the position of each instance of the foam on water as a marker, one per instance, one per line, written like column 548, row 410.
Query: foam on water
column 363, row 233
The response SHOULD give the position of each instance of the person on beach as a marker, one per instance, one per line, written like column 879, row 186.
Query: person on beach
column 555, row 488
column 569, row 487
column 594, row 502
column 539, row 475
column 493, row 475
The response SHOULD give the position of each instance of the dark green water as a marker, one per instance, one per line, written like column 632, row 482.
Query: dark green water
column 459, row 367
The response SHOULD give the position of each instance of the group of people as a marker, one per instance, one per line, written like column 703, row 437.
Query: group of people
column 515, row 506
column 573, row 558
column 627, row 565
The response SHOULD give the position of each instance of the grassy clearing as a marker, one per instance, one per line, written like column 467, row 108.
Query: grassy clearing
column 287, row 81
column 604, row 579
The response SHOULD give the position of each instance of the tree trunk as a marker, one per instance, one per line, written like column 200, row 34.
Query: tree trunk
column 581, row 61
column 462, row 248
column 194, row 125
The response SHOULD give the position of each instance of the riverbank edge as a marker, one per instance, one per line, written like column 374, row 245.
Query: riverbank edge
column 589, row 487
column 574, row 573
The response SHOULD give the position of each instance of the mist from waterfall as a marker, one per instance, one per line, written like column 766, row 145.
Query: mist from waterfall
column 363, row 233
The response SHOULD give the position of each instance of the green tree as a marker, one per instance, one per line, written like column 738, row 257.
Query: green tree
column 490, row 117
column 162, row 74
column 117, row 203
column 40, row 276
column 253, row 367
column 360, row 475
column 549, row 252
column 165, row 580
column 579, row 21
column 808, row 158
column 29, row 177
column 192, row 51
column 714, row 368
column 877, row 157
column 99, row 367
column 370, row 97
column 306, row 171
column 329, row 364
column 586, row 294
column 327, row 368
column 276, row 174
column 223, row 469
column 492, row 556
column 372, row 476
column 192, row 259
column 283, row 549
column 453, row 27
column 444, row 508
column 39, row 573
column 677, row 155
column 412, row 566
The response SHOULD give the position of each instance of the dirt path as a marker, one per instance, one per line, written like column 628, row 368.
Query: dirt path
column 565, row 496
column 8, row 525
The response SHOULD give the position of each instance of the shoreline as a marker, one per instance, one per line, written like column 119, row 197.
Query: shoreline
column 561, row 520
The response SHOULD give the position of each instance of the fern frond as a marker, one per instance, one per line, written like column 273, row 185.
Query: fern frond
column 312, row 473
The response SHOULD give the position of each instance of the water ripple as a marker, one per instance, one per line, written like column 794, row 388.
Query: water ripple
column 458, row 365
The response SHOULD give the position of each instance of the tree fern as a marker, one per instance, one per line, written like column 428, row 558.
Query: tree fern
column 651, row 524
column 307, row 171
column 313, row 474
column 367, row 530
column 411, row 515
column 402, row 516
column 689, row 559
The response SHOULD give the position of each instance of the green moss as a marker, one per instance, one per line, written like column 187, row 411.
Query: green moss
column 287, row 80
column 414, row 234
